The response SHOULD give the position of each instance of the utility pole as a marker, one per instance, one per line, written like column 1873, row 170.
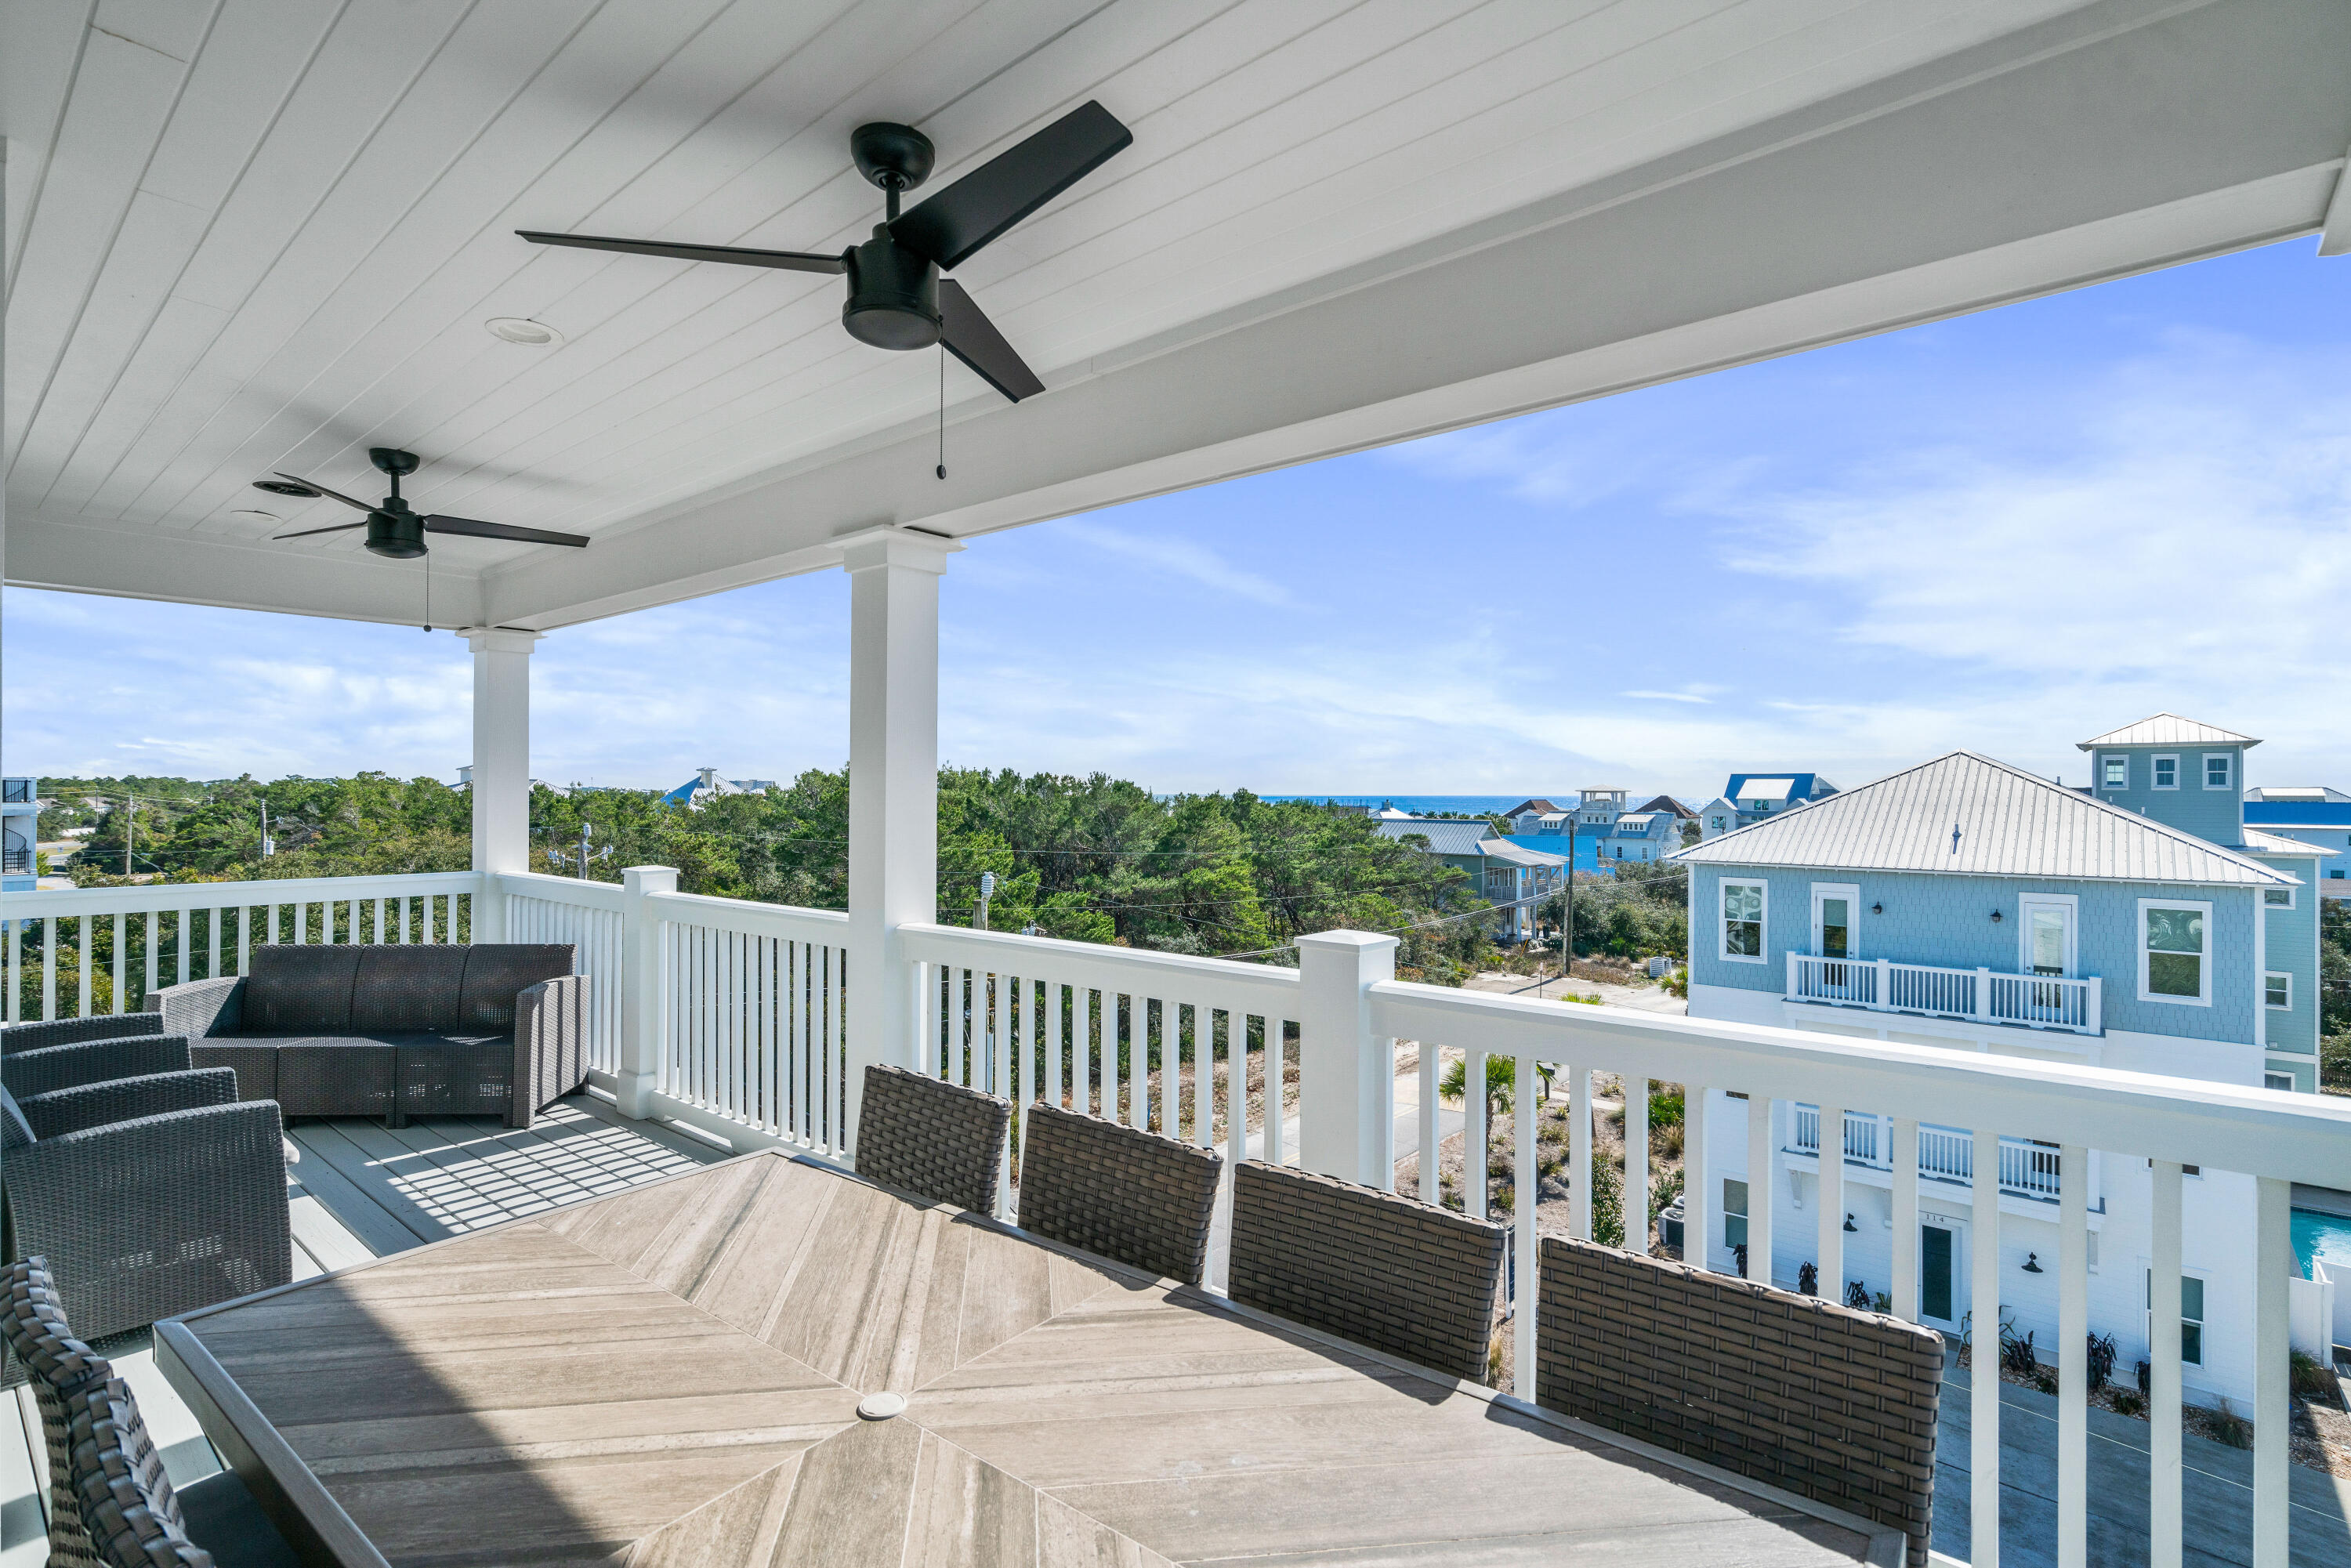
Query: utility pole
column 986, row 891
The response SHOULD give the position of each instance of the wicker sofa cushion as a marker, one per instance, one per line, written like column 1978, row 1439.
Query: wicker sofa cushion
column 1831, row 1404
column 1118, row 1192
column 299, row 990
column 407, row 988
column 496, row 974
column 1390, row 1272
column 939, row 1140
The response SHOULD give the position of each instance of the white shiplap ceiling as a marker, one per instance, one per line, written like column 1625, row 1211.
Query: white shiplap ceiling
column 251, row 234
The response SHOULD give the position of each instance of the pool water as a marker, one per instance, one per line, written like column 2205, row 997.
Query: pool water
column 2326, row 1235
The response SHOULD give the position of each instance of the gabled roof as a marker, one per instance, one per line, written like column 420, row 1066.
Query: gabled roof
column 1640, row 824
column 2010, row 823
column 1445, row 835
column 1776, row 786
column 2167, row 729
column 1532, row 803
column 1666, row 803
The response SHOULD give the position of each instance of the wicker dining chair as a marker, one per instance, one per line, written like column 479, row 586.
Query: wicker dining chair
column 934, row 1139
column 1819, row 1399
column 1127, row 1195
column 110, row 1503
column 1394, row 1273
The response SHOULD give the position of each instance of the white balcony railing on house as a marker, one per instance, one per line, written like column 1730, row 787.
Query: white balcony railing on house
column 2027, row 1169
column 735, row 1012
column 1979, row 996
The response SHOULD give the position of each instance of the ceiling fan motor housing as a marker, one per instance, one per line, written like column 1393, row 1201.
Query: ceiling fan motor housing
column 397, row 535
column 894, row 295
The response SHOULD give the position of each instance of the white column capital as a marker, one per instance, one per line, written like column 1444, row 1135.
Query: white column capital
column 499, row 639
column 871, row 547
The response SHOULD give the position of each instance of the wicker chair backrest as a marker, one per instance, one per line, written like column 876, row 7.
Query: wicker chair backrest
column 19, row 1037
column 1390, row 1272
column 496, row 973
column 1826, row 1402
column 39, row 1341
column 299, row 990
column 127, row 1504
column 16, row 1133
column 411, row 988
column 1119, row 1192
column 939, row 1140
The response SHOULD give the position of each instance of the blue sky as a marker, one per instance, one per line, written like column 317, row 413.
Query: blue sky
column 2006, row 532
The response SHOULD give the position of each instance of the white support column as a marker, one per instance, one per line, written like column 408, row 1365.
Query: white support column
column 1905, row 1219
column 1984, row 1358
column 501, row 773
column 1829, row 1196
column 2072, row 1356
column 1760, row 1187
column 893, row 784
column 1698, row 1207
column 641, row 1023
column 2275, row 1270
column 2164, row 1476
column 1346, row 1087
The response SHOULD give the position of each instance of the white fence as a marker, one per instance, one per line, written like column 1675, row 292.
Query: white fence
column 2027, row 1169
column 1983, row 996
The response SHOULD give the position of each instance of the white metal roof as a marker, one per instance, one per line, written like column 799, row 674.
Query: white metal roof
column 246, row 236
column 2261, row 844
column 2316, row 794
column 1518, row 855
column 1766, row 788
column 2168, row 729
column 2010, row 823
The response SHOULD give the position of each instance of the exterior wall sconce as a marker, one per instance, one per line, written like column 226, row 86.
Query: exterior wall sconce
column 1878, row 909
column 2032, row 1263
column 1995, row 917
column 1849, row 1224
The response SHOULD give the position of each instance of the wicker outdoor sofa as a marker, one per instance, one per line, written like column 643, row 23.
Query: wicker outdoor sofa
column 493, row 1029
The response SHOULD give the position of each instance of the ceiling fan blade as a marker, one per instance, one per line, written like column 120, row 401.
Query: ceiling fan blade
column 476, row 528
column 972, row 338
column 789, row 260
column 330, row 494
column 305, row 533
column 952, row 225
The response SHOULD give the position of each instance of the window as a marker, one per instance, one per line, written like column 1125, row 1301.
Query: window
column 2281, row 1081
column 2167, row 773
column 2277, row 991
column 2279, row 897
column 2114, row 773
column 1742, row 922
column 2192, row 1317
column 2220, row 770
column 2172, row 951
column 1734, row 1213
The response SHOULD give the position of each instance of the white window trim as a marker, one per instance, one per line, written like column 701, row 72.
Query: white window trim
column 2287, row 975
column 2203, row 973
column 2106, row 757
column 1851, row 893
column 1721, row 921
column 2155, row 776
column 2227, row 756
column 2287, row 1086
column 2073, row 930
column 2289, row 898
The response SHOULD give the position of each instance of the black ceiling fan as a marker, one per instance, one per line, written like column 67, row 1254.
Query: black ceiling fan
column 896, row 297
column 394, row 528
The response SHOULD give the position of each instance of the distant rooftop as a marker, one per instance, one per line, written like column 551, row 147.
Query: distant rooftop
column 2261, row 844
column 2168, row 729
column 1973, row 816
column 2316, row 794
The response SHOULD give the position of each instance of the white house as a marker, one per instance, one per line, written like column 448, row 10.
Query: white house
column 1716, row 818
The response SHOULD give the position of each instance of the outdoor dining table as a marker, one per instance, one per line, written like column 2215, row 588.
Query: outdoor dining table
column 672, row 1375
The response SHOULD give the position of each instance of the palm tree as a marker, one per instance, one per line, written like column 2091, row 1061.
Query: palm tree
column 1502, row 1083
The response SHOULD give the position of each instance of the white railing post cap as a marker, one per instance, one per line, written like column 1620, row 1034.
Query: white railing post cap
column 1366, row 942
column 649, row 878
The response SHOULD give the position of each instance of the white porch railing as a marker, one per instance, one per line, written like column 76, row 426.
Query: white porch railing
column 2027, row 1169
column 728, row 1016
column 1981, row 996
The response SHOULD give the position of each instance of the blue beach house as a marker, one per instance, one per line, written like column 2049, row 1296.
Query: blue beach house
column 1965, row 904
column 2314, row 815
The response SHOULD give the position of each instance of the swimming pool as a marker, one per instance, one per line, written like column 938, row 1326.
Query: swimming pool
column 2326, row 1235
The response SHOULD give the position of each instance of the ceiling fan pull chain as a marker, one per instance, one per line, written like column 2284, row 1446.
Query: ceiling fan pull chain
column 428, row 591
column 942, row 409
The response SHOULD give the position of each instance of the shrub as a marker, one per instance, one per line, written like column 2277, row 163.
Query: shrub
column 2126, row 1402
column 2231, row 1429
column 2102, row 1361
column 2046, row 1382
column 1856, row 1295
column 1808, row 1279
column 2312, row 1380
column 2016, row 1352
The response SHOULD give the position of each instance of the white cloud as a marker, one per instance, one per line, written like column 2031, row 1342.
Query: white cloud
column 1667, row 696
column 1179, row 557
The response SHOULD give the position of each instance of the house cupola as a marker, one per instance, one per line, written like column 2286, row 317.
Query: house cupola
column 2179, row 771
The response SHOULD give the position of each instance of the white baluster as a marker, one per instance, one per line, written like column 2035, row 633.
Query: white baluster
column 2072, row 1356
column 1579, row 1153
column 52, row 938
column 1474, row 1136
column 87, row 956
column 1277, row 1050
column 1635, row 1090
column 1524, row 1199
column 1697, row 1222
column 1906, row 1219
column 15, row 971
column 1429, row 1052
column 2164, row 1473
column 1983, row 1388
column 1236, row 1086
column 1139, row 1024
column 2274, row 1269
column 1830, row 1199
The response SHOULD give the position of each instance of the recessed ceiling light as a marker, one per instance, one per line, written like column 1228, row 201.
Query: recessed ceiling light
column 255, row 517
column 524, row 330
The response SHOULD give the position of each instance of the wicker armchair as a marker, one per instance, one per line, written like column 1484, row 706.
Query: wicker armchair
column 109, row 1501
column 36, row 1058
column 147, row 1196
column 1124, row 1194
column 392, row 1031
column 1390, row 1272
column 1826, row 1402
column 937, row 1139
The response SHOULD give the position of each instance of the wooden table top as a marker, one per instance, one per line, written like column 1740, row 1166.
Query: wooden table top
column 671, row 1375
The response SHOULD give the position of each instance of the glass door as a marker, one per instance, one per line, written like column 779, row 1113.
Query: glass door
column 2048, row 940
column 1833, row 943
column 1936, row 1281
